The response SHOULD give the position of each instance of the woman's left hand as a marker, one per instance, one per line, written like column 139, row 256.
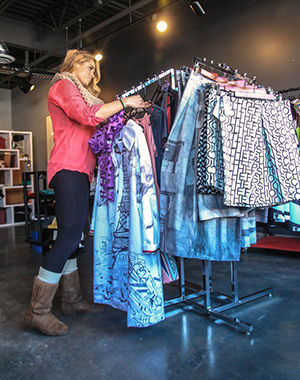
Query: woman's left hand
column 135, row 101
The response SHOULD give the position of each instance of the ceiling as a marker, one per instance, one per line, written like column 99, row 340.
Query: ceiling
column 37, row 33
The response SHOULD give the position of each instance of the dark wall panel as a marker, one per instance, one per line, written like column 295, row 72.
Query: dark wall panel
column 257, row 37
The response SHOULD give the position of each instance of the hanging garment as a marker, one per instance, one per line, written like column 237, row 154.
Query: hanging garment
column 127, row 269
column 195, row 226
column 261, row 161
column 169, row 101
column 146, row 125
column 168, row 262
column 248, row 227
column 210, row 164
column 101, row 143
column 158, row 120
column 178, row 210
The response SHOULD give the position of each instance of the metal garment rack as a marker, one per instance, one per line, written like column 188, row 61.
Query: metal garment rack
column 202, row 297
column 199, row 297
column 222, row 68
column 233, row 74
column 156, row 78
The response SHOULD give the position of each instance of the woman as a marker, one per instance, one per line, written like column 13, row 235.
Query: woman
column 75, row 110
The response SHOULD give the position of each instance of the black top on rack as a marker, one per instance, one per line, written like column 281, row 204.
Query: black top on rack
column 289, row 90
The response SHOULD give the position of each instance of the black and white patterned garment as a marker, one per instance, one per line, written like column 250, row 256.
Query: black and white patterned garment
column 261, row 160
column 210, row 166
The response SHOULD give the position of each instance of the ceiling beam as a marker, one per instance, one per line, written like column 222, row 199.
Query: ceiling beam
column 111, row 20
column 80, row 16
column 118, row 5
column 5, row 4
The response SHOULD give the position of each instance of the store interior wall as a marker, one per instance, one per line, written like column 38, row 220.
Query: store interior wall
column 259, row 37
column 5, row 109
column 29, row 113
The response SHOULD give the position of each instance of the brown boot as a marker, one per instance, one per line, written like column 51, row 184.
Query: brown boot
column 39, row 314
column 72, row 301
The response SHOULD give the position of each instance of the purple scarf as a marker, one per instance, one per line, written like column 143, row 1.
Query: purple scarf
column 101, row 143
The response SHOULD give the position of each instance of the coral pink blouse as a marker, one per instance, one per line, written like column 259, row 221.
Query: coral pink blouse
column 74, row 122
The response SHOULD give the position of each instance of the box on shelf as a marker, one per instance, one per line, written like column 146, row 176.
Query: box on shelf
column 17, row 174
column 14, row 196
column 7, row 159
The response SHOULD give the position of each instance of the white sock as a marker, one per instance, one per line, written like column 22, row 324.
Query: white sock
column 70, row 266
column 48, row 276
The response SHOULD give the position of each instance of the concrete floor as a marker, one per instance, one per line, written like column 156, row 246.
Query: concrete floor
column 186, row 346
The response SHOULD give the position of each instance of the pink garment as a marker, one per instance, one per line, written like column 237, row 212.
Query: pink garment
column 145, row 123
column 74, row 122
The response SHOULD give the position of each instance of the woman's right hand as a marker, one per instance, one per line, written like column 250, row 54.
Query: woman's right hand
column 135, row 101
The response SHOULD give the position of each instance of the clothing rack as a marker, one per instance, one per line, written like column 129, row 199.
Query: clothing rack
column 223, row 68
column 156, row 78
column 193, row 296
column 233, row 74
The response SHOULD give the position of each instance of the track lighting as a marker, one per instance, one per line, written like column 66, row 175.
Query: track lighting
column 197, row 8
column 26, row 86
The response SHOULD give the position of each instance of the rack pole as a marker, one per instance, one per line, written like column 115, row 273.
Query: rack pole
column 170, row 72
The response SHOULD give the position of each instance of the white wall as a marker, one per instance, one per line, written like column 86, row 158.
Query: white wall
column 5, row 109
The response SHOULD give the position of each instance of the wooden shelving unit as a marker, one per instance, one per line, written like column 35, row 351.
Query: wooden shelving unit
column 15, row 158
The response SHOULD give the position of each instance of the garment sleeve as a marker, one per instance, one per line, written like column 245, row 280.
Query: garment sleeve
column 65, row 95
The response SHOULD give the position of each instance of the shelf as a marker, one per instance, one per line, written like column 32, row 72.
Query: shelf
column 9, row 159
column 14, row 187
column 12, row 224
column 15, row 159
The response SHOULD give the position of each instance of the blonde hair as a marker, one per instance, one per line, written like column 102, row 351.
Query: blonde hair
column 74, row 57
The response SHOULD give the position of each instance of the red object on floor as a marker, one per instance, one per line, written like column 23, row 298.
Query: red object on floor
column 278, row 243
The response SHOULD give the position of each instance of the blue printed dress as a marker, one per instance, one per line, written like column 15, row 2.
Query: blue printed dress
column 127, row 267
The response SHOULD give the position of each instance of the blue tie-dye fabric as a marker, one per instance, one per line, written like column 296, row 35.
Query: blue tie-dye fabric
column 127, row 267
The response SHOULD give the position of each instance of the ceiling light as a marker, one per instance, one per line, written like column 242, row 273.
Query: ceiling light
column 98, row 57
column 4, row 56
column 161, row 26
column 26, row 86
column 197, row 8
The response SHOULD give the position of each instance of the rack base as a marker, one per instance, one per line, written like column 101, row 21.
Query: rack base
column 192, row 302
